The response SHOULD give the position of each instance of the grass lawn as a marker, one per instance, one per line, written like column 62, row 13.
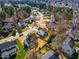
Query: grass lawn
column 46, row 17
column 23, row 30
column 77, row 44
column 32, row 24
column 21, row 52
column 10, row 34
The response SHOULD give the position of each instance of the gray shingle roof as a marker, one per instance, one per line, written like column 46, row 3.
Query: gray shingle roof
column 7, row 45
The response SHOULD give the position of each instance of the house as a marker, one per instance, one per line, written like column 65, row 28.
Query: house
column 12, row 19
column 25, row 21
column 75, row 20
column 42, row 32
column 31, row 41
column 75, row 33
column 52, row 19
column 50, row 55
column 8, row 49
column 8, row 26
column 30, row 19
column 22, row 15
column 34, row 12
column 68, row 47
column 22, row 24
column 70, row 34
column 9, row 22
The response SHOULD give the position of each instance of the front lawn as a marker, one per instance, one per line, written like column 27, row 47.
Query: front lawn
column 21, row 52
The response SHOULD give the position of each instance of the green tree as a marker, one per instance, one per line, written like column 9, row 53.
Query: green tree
column 27, row 9
column 51, row 37
column 69, row 14
column 2, row 15
column 9, row 10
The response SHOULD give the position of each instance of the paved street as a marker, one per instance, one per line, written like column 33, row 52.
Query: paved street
column 34, row 28
column 40, row 22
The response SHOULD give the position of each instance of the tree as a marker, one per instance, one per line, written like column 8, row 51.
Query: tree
column 9, row 10
column 2, row 15
column 69, row 14
column 27, row 9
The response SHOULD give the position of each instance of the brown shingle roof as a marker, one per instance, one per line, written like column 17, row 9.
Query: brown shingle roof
column 12, row 19
column 22, row 15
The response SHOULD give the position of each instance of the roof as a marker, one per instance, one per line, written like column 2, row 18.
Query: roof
column 42, row 33
column 12, row 19
column 49, row 55
column 31, row 41
column 23, row 15
column 6, row 45
column 68, row 47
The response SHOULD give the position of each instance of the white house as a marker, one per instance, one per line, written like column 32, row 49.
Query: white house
column 8, row 49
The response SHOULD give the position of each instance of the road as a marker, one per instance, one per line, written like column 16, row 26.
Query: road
column 42, row 22
column 24, row 33
column 34, row 28
column 7, row 39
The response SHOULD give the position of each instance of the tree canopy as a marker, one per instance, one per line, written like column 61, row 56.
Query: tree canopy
column 9, row 10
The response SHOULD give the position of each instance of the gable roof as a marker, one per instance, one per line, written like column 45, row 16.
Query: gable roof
column 49, row 55
column 31, row 41
column 6, row 45
column 68, row 47
column 12, row 19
